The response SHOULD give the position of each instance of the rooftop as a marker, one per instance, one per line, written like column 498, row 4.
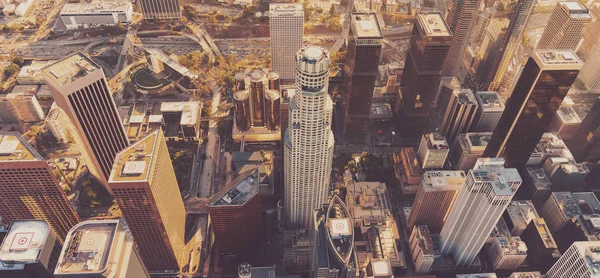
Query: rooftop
column 521, row 212
column 239, row 191
column 590, row 250
column 96, row 7
column 24, row 89
column 478, row 139
column 465, row 96
column 576, row 9
column 512, row 246
column 443, row 180
column 434, row 24
column 567, row 204
column 365, row 25
column 568, row 115
column 557, row 59
column 436, row 141
column 87, row 247
column 13, row 147
column 501, row 178
column 135, row 162
column 34, row 70
column 477, row 275
column 544, row 232
column 70, row 68
column 490, row 100
column 190, row 111
column 540, row 180
column 425, row 241
column 24, row 242
column 285, row 8
column 529, row 274
column 588, row 203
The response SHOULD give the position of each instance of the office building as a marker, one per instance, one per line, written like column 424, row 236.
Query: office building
column 96, row 14
column 565, row 26
column 100, row 248
column 286, row 22
column 542, row 248
column 590, row 72
column 565, row 121
column 544, row 83
column 20, row 107
column 567, row 176
column 459, row 18
column 499, row 65
column 433, row 151
column 30, row 249
column 296, row 251
column 332, row 241
column 29, row 189
column 160, row 9
column 467, row 148
column 491, row 48
column 517, row 216
column 585, row 143
column 370, row 205
column 475, row 214
column 507, row 253
column 144, row 185
column 580, row 260
column 264, row 161
column 560, row 208
column 422, row 70
column 421, row 249
column 490, row 108
column 459, row 114
column 407, row 170
column 81, row 90
column 439, row 188
column 550, row 145
column 590, row 33
column 583, row 226
column 257, row 106
column 364, row 47
column 308, row 150
column 537, row 185
column 32, row 74
column 236, row 216
column 447, row 87
column 181, row 120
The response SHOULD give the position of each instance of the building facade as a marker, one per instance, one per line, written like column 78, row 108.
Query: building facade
column 79, row 88
column 585, row 143
column 544, row 83
column 96, row 14
column 459, row 18
column 488, row 189
column 145, row 187
column 29, row 189
column 565, row 26
column 160, row 9
column 459, row 114
column 308, row 150
column 422, row 248
column 467, row 148
column 286, row 22
column 490, row 108
column 433, row 151
column 580, row 260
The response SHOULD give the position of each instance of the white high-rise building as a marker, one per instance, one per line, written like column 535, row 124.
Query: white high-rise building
column 488, row 189
column 287, row 31
column 582, row 259
column 590, row 72
column 308, row 151
column 565, row 27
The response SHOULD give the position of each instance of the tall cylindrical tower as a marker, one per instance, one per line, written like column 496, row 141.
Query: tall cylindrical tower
column 308, row 141
column 272, row 101
column 274, row 82
column 240, row 81
column 241, row 99
column 258, row 84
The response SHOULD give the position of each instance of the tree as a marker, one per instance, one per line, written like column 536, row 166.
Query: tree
column 332, row 10
column 10, row 70
column 18, row 60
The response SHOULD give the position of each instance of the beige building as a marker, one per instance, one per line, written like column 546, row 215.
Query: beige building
column 29, row 189
column 565, row 27
column 422, row 249
column 467, row 148
column 459, row 18
column 80, row 89
column 433, row 151
column 582, row 259
column 145, row 187
column 286, row 21
column 507, row 253
column 20, row 106
column 100, row 248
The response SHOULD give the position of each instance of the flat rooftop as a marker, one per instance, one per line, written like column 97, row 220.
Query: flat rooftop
column 34, row 69
column 13, row 147
column 434, row 24
column 96, row 7
column 286, row 9
column 590, row 250
column 436, row 141
column 134, row 163
column 443, row 180
column 588, row 203
column 575, row 8
column 70, row 69
column 479, row 139
column 477, row 275
column 521, row 212
column 24, row 242
column 568, row 115
column 567, row 204
column 539, row 178
column 87, row 248
column 490, row 101
column 465, row 96
column 239, row 191
column 190, row 111
column 24, row 89
column 365, row 25
column 501, row 178
column 563, row 59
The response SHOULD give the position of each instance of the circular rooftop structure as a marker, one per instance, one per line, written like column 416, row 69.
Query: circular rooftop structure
column 241, row 95
column 313, row 52
column 256, row 75
column 271, row 95
column 144, row 79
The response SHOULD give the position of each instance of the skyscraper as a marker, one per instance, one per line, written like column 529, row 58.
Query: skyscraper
column 364, row 47
column 585, row 143
column 467, row 148
column 488, row 189
column 544, row 83
column 433, row 151
column 565, row 26
column 145, row 187
column 286, row 22
column 160, row 9
column 459, row 18
column 236, row 216
column 459, row 114
column 79, row 88
column 429, row 45
column 308, row 150
column 590, row 34
column 590, row 72
column 498, row 63
column 580, row 260
column 100, row 248
column 489, row 110
column 29, row 190
column 439, row 188
column 494, row 36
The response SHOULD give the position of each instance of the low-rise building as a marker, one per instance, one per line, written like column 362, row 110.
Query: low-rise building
column 96, row 14
column 19, row 107
column 407, row 170
column 32, row 73
column 507, row 253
